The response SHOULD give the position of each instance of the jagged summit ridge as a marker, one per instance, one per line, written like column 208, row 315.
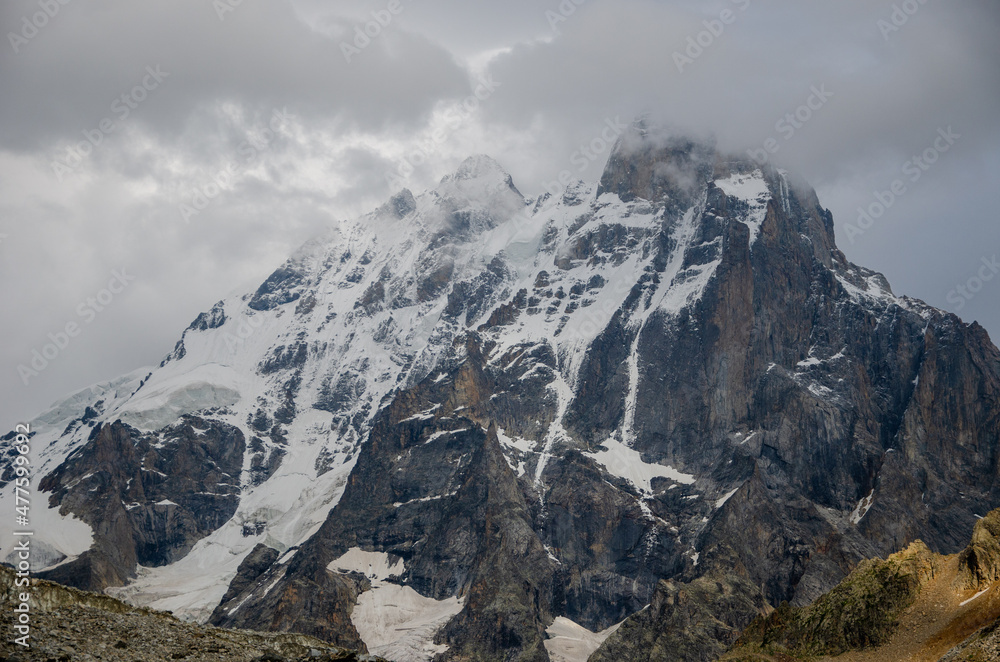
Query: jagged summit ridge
column 480, row 167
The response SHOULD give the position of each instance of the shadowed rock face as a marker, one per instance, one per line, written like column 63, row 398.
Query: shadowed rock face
column 251, row 568
column 148, row 498
column 686, row 622
column 670, row 390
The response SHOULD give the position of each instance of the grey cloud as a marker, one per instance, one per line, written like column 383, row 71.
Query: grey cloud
column 67, row 77
column 353, row 122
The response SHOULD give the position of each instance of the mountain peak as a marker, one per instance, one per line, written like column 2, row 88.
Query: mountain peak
column 654, row 163
column 479, row 166
column 400, row 205
column 477, row 196
column 479, row 173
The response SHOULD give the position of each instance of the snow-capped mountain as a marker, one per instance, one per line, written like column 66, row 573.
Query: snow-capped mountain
column 469, row 424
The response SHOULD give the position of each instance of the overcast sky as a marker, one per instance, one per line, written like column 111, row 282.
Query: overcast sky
column 115, row 114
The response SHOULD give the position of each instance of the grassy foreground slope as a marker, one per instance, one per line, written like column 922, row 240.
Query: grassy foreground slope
column 914, row 605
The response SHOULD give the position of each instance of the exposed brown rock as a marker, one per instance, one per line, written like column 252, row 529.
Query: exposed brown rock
column 979, row 563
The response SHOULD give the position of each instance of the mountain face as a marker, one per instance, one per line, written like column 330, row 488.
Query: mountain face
column 469, row 425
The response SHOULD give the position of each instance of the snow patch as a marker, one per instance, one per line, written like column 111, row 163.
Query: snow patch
column 444, row 433
column 820, row 391
column 564, row 395
column 965, row 602
column 570, row 642
column 752, row 189
column 862, row 508
column 624, row 462
column 193, row 586
column 65, row 535
column 167, row 407
column 373, row 565
column 672, row 299
column 516, row 443
column 783, row 186
column 292, row 508
column 399, row 624
column 720, row 502
column 422, row 416
column 395, row 621
column 400, row 504
column 873, row 290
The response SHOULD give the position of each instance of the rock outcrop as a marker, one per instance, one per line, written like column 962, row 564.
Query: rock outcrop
column 979, row 563
column 149, row 498
column 68, row 625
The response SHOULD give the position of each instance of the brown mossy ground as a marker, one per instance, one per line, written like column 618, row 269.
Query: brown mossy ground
column 915, row 606
column 68, row 625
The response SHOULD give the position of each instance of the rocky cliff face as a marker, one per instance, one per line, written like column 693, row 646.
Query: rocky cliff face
column 148, row 498
column 528, row 409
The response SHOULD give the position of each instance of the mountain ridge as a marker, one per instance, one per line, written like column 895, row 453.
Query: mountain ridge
column 638, row 380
